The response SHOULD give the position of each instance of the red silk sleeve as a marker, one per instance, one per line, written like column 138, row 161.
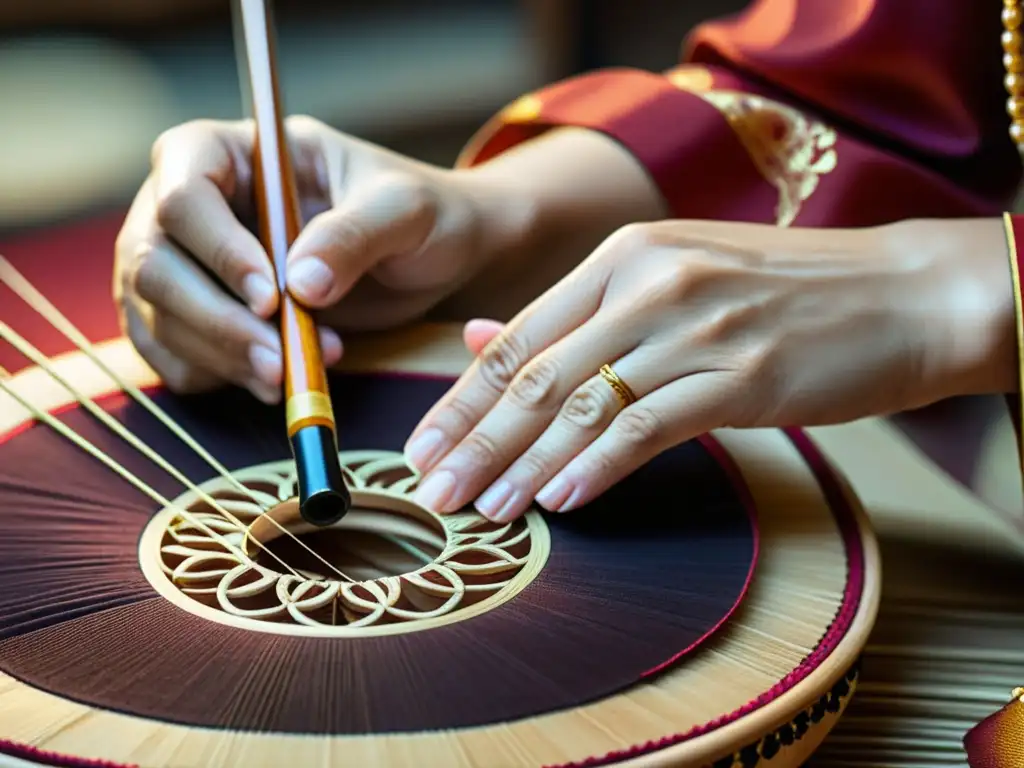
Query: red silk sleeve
column 839, row 113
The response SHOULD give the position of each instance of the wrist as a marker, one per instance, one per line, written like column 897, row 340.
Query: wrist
column 966, row 306
column 509, row 222
column 560, row 195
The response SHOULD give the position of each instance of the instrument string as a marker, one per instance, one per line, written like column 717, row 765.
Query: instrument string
column 34, row 355
column 63, row 429
column 28, row 293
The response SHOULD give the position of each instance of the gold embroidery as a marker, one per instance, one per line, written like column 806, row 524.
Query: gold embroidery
column 523, row 110
column 791, row 151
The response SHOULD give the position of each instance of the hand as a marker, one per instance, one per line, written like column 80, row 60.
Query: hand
column 713, row 325
column 391, row 235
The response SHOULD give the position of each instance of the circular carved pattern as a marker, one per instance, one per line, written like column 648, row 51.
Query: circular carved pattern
column 387, row 567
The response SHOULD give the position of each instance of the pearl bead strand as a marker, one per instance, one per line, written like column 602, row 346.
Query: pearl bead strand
column 1013, row 62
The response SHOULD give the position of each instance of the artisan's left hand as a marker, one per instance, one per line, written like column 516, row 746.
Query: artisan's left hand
column 709, row 325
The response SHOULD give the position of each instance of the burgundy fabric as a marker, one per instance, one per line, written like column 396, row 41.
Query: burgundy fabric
column 633, row 581
column 72, row 265
column 913, row 88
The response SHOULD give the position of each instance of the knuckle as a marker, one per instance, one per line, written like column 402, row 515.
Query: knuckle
column 639, row 426
column 182, row 132
column 414, row 196
column 160, row 143
column 480, row 449
column 501, row 359
column 409, row 199
column 350, row 233
column 228, row 262
column 724, row 323
column 302, row 125
column 631, row 237
column 172, row 206
column 681, row 278
column 144, row 274
column 588, row 407
column 229, row 328
column 144, row 344
column 174, row 373
column 535, row 385
column 458, row 417
column 534, row 463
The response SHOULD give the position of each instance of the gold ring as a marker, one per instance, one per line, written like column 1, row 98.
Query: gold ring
column 619, row 387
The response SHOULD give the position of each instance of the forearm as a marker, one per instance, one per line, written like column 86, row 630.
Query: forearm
column 571, row 184
column 545, row 205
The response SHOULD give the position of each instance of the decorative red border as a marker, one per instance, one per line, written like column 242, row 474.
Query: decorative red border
column 849, row 530
column 838, row 504
column 739, row 484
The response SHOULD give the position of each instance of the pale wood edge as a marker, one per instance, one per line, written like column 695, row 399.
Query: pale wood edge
column 781, row 710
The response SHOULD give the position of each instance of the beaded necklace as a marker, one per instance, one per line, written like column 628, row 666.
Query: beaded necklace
column 1013, row 62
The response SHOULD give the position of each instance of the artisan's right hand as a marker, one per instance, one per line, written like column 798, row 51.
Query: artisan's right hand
column 195, row 288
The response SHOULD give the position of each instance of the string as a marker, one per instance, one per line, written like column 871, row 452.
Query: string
column 7, row 271
column 31, row 296
column 90, row 448
column 33, row 354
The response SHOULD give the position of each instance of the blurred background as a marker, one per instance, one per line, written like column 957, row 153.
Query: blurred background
column 86, row 86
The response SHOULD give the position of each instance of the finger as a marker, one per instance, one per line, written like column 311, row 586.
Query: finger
column 229, row 364
column 256, row 368
column 671, row 415
column 174, row 285
column 477, row 334
column 195, row 169
column 526, row 408
column 338, row 247
column 561, row 310
column 176, row 374
column 583, row 417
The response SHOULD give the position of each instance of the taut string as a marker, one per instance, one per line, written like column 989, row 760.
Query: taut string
column 28, row 293
column 31, row 296
column 32, row 353
column 90, row 448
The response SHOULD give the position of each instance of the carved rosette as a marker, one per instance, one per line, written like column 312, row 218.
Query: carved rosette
column 388, row 566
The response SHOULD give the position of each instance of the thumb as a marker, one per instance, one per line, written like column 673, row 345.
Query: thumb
column 477, row 334
column 393, row 217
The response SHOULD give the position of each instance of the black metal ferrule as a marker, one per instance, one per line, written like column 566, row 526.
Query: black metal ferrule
column 324, row 497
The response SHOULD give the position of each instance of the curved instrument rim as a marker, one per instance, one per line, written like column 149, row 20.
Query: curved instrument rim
column 437, row 350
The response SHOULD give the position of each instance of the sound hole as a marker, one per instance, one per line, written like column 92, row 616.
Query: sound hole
column 371, row 542
column 388, row 562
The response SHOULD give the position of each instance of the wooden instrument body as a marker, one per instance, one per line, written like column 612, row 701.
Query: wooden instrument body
column 949, row 558
column 726, row 682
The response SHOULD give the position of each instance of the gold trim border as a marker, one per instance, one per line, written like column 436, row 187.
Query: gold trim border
column 1018, row 310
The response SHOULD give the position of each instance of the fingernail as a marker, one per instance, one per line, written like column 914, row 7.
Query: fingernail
column 258, row 291
column 498, row 502
column 424, row 451
column 266, row 364
column 436, row 491
column 330, row 344
column 310, row 279
column 555, row 495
